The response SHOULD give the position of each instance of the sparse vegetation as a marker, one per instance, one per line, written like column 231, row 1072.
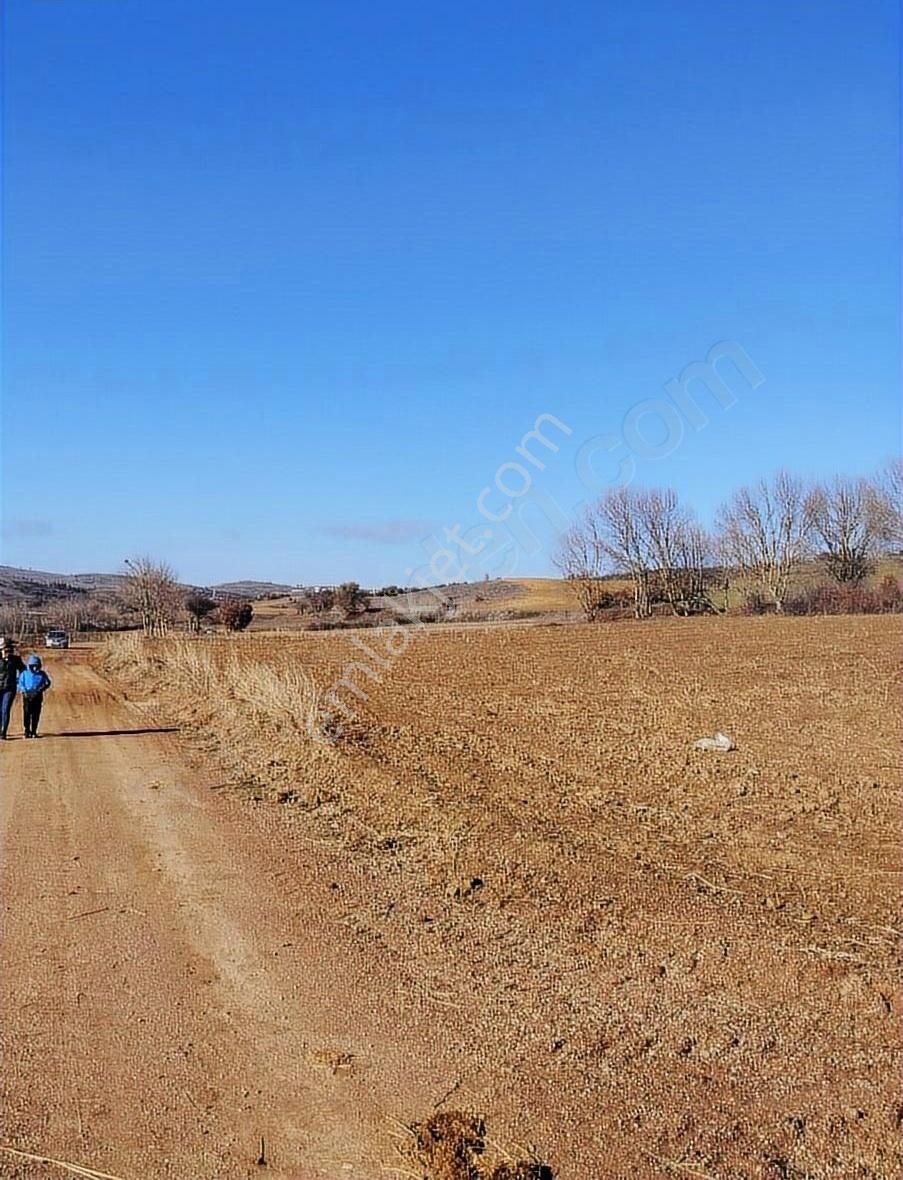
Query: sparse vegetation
column 320, row 601
column 227, row 678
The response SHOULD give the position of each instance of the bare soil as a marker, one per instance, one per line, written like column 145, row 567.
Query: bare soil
column 515, row 891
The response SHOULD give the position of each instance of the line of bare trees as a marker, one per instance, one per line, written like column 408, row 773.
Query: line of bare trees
column 148, row 595
column 764, row 533
column 152, row 592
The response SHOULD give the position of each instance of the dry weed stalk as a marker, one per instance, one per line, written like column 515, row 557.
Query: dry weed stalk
column 75, row 1169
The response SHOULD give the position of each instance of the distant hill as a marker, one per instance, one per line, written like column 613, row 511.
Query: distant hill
column 251, row 589
column 13, row 577
column 18, row 584
column 38, row 586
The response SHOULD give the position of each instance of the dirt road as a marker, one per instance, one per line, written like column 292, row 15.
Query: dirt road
column 170, row 1007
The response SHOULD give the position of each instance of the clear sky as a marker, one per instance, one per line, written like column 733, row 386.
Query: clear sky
column 286, row 283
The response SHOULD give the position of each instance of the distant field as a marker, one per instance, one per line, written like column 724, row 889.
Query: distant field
column 676, row 955
column 512, row 598
column 534, row 595
column 526, row 598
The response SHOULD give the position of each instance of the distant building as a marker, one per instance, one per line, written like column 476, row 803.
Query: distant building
column 300, row 591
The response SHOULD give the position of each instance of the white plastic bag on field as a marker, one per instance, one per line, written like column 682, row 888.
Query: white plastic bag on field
column 719, row 742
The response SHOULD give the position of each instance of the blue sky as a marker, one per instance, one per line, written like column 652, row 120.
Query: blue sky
column 285, row 284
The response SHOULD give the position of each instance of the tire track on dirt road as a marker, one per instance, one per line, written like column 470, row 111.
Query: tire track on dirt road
column 165, row 1009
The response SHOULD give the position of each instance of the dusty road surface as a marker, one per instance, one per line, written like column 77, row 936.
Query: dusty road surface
column 515, row 890
column 168, row 1004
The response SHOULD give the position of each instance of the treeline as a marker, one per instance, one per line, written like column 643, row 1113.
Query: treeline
column 346, row 601
column 148, row 596
column 764, row 536
column 153, row 596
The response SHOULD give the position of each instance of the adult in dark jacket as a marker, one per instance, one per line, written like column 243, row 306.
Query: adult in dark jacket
column 10, row 667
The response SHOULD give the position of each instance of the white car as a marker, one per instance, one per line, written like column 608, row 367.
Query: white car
column 56, row 638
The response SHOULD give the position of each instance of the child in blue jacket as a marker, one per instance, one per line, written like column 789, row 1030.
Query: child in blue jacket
column 33, row 683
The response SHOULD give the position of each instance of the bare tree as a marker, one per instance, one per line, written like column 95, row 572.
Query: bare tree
column 647, row 535
column 765, row 533
column 581, row 561
column 153, row 591
column 890, row 504
column 624, row 542
column 679, row 551
column 849, row 522
column 71, row 612
column 694, row 577
column 612, row 538
column 14, row 619
column 199, row 606
column 659, row 523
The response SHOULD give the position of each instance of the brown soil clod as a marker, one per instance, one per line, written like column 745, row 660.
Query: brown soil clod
column 523, row 1171
column 465, row 889
column 448, row 1143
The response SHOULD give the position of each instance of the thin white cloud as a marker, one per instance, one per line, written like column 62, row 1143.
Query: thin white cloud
column 21, row 528
column 386, row 532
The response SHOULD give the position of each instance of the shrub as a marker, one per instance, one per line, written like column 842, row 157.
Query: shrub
column 350, row 599
column 848, row 598
column 755, row 603
column 608, row 605
column 235, row 615
column 890, row 595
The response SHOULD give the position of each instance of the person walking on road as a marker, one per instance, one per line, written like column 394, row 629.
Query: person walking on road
column 33, row 683
column 10, row 667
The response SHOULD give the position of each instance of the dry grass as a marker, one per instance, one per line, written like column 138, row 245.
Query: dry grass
column 541, row 595
column 224, row 673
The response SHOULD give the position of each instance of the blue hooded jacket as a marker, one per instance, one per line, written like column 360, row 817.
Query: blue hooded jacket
column 33, row 679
